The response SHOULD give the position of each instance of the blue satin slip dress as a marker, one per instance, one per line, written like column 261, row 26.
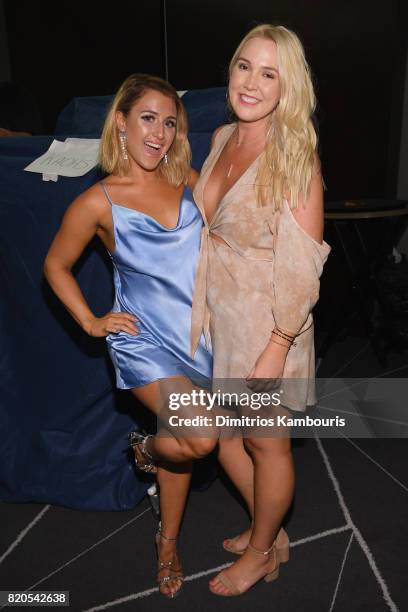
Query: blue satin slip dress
column 154, row 271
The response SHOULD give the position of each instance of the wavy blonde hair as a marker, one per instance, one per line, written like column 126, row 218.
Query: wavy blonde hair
column 286, row 167
column 111, row 160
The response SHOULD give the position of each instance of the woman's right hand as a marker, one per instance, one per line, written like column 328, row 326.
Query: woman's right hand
column 112, row 323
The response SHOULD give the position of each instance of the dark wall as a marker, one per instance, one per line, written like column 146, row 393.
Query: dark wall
column 61, row 50
column 357, row 50
column 4, row 56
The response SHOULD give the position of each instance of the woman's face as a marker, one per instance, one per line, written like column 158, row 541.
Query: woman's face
column 254, row 86
column 150, row 128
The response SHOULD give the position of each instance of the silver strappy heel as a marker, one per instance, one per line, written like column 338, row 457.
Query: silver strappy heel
column 137, row 441
column 175, row 573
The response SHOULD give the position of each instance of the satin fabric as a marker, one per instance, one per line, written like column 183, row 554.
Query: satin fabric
column 154, row 273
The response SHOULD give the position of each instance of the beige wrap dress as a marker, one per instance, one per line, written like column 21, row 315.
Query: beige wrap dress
column 265, row 272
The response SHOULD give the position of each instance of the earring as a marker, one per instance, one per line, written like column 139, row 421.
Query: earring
column 166, row 159
column 122, row 138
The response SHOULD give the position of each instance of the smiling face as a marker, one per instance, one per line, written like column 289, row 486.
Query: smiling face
column 150, row 128
column 254, row 86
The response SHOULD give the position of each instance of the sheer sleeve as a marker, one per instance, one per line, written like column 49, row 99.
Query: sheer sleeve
column 298, row 265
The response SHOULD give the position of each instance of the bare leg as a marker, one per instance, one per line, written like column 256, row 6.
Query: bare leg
column 238, row 465
column 175, row 447
column 273, row 492
column 177, row 444
column 174, row 482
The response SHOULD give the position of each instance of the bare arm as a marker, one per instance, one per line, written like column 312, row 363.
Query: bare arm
column 309, row 216
column 309, row 213
column 192, row 179
column 78, row 227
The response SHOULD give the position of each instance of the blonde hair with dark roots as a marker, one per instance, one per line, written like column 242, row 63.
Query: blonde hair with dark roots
column 286, row 166
column 111, row 160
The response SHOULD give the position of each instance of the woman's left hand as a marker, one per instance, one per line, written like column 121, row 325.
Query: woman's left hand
column 268, row 369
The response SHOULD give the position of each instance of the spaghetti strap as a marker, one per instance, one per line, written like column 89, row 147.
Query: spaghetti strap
column 105, row 191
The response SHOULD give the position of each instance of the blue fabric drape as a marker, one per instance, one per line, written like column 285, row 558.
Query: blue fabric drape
column 63, row 424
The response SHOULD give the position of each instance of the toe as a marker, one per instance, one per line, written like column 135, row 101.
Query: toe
column 216, row 585
column 175, row 585
column 223, row 589
column 165, row 589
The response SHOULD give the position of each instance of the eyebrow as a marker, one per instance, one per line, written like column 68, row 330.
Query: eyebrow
column 147, row 110
column 266, row 67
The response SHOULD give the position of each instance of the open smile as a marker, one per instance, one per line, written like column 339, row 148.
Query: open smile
column 153, row 149
column 248, row 100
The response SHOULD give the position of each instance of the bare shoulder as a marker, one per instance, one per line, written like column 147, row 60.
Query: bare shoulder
column 91, row 203
column 192, row 178
column 309, row 212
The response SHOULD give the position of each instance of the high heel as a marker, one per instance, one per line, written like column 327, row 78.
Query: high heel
column 271, row 574
column 282, row 546
column 274, row 563
column 137, row 442
column 174, row 573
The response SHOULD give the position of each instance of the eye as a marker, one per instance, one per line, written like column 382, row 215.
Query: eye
column 148, row 118
column 170, row 123
column 242, row 66
column 269, row 75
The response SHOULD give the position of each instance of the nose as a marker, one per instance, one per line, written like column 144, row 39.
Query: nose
column 158, row 130
column 251, row 81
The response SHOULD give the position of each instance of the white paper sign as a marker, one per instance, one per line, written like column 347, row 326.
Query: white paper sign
column 74, row 157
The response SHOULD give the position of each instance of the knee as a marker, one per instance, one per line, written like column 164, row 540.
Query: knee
column 201, row 447
column 252, row 445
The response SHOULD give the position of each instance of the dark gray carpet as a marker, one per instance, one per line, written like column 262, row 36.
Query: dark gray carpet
column 348, row 529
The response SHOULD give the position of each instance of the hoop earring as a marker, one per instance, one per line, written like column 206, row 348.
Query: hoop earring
column 122, row 138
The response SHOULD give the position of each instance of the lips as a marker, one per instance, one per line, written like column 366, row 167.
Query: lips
column 153, row 149
column 248, row 100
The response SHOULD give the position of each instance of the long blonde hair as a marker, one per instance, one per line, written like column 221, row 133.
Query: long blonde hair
column 111, row 160
column 286, row 167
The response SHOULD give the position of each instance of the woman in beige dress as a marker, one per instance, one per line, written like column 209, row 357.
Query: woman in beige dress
column 262, row 254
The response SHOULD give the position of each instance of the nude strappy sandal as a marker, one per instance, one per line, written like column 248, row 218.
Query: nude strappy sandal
column 282, row 546
column 272, row 572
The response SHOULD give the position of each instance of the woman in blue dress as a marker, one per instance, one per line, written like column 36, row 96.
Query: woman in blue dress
column 145, row 215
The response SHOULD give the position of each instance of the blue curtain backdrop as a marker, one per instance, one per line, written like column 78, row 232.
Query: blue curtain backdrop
column 63, row 424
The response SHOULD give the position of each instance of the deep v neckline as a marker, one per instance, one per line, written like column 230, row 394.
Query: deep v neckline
column 209, row 173
column 150, row 217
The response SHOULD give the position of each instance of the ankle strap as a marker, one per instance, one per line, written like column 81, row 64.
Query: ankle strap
column 260, row 552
